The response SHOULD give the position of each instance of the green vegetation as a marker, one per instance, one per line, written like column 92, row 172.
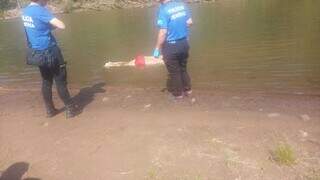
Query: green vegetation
column 152, row 175
column 11, row 4
column 3, row 6
column 68, row 6
column 283, row 155
column 198, row 177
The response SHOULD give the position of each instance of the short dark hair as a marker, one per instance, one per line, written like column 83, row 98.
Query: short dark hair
column 34, row 0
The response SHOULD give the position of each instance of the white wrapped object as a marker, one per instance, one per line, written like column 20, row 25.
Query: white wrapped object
column 148, row 60
column 118, row 64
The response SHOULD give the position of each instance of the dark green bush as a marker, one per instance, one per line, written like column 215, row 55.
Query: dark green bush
column 4, row 4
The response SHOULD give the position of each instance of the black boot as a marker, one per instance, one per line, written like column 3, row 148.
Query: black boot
column 51, row 112
column 70, row 111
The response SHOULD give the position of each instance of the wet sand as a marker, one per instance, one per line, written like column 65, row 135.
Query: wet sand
column 134, row 134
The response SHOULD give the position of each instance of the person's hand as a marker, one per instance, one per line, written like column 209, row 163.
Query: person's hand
column 156, row 53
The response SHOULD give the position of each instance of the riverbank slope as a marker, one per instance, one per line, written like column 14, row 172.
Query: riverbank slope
column 133, row 133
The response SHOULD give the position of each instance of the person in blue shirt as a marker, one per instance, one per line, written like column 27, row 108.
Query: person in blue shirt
column 39, row 22
column 173, row 21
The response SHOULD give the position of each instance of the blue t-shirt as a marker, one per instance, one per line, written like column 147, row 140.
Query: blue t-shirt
column 173, row 16
column 36, row 20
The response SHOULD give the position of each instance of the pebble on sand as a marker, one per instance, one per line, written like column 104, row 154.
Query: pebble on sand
column 304, row 134
column 193, row 100
column 105, row 99
column 305, row 117
column 273, row 115
column 236, row 97
column 147, row 106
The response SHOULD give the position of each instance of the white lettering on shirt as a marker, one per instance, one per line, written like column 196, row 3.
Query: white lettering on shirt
column 178, row 15
column 176, row 9
column 177, row 12
column 28, row 22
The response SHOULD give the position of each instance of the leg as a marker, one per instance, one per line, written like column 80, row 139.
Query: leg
column 174, row 83
column 186, row 82
column 61, row 83
column 60, row 77
column 47, row 80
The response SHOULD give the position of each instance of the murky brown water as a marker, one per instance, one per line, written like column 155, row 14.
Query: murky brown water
column 265, row 45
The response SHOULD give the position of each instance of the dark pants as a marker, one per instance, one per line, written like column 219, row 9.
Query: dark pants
column 175, row 56
column 58, row 73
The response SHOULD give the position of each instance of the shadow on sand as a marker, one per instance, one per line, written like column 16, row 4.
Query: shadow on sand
column 86, row 96
column 16, row 172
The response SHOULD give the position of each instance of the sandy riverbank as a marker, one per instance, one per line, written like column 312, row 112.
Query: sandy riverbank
column 134, row 134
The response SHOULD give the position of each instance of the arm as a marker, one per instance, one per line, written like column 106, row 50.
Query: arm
column 162, row 23
column 47, row 17
column 189, row 22
column 56, row 23
column 189, row 17
column 161, row 38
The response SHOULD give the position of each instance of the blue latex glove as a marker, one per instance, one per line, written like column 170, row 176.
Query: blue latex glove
column 156, row 53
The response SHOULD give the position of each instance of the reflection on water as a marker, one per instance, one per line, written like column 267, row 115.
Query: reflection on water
column 266, row 45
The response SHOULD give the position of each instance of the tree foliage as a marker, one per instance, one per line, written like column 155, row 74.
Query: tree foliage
column 4, row 4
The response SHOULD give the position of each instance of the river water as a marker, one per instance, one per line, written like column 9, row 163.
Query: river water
column 245, row 45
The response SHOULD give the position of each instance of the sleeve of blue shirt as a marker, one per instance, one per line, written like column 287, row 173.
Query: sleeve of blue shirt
column 46, row 16
column 163, row 19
